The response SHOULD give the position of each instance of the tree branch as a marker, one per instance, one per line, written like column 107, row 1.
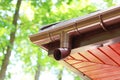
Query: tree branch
column 12, row 38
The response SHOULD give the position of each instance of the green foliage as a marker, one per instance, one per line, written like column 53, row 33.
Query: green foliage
column 109, row 3
column 43, row 12
column 77, row 78
column 5, row 3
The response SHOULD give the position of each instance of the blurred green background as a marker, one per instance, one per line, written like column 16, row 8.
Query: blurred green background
column 20, row 59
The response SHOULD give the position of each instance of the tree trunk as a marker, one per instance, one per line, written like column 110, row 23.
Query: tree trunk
column 60, row 75
column 9, row 47
column 37, row 74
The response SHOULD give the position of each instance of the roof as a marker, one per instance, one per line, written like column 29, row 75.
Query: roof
column 87, row 45
column 102, row 63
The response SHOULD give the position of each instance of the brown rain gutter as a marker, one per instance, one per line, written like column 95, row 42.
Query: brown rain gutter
column 63, row 30
column 92, row 21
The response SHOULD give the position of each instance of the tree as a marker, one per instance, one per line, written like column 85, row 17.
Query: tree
column 33, row 14
column 11, row 41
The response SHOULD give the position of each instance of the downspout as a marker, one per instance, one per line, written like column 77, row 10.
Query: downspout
column 65, row 46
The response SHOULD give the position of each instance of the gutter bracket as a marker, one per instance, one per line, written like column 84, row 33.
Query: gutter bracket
column 51, row 37
column 76, row 28
column 102, row 23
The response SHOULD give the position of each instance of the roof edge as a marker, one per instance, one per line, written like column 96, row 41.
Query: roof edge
column 107, row 17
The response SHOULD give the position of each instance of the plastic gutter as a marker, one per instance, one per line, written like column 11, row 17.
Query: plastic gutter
column 93, row 21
